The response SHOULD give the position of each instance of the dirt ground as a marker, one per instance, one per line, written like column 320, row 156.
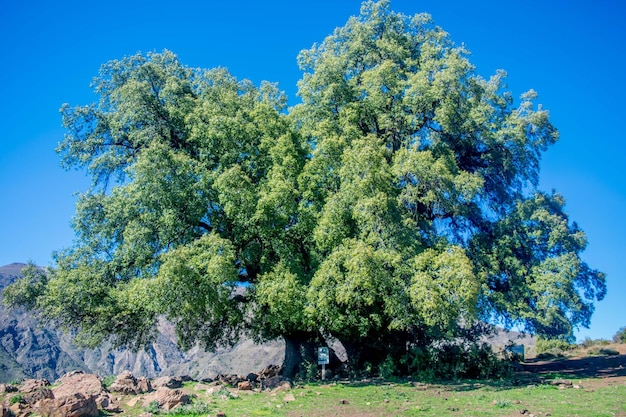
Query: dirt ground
column 608, row 370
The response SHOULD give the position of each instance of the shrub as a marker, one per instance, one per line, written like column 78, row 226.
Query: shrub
column 456, row 360
column 308, row 371
column 194, row 409
column 387, row 368
column 153, row 407
column 108, row 381
column 16, row 399
column 603, row 351
column 552, row 345
column 620, row 336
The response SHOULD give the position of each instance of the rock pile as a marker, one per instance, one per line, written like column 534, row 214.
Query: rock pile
column 78, row 394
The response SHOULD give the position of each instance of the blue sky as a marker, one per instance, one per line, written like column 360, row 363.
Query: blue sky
column 572, row 52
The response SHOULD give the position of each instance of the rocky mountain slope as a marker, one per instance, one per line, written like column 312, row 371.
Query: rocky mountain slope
column 30, row 350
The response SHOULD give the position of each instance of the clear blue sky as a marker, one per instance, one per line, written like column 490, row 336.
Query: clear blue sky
column 572, row 52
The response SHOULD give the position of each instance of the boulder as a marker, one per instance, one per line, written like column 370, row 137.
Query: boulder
column 106, row 403
column 6, row 388
column 245, row 386
column 74, row 405
column 252, row 377
column 143, row 385
column 78, row 381
column 168, row 382
column 37, row 394
column 277, row 382
column 270, row 371
column 125, row 383
column 231, row 379
column 32, row 384
column 18, row 409
column 169, row 398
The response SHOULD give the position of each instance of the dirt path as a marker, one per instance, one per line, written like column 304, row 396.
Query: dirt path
column 607, row 369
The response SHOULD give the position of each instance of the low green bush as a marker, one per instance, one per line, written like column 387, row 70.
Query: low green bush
column 552, row 345
column 16, row 399
column 455, row 361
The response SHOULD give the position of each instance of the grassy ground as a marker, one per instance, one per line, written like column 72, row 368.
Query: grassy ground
column 584, row 398
column 591, row 385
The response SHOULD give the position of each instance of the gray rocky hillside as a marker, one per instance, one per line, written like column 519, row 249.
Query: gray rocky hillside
column 28, row 350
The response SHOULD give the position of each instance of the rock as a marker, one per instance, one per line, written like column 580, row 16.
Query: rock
column 169, row 398
column 75, row 405
column 6, row 388
column 216, row 389
column 133, row 401
column 276, row 382
column 270, row 371
column 245, row 386
column 4, row 411
column 37, row 394
column 16, row 409
column 168, row 382
column 72, row 382
column 252, row 377
column 344, row 401
column 143, row 385
column 125, row 383
column 563, row 382
column 231, row 379
column 220, row 414
column 32, row 384
column 106, row 403
column 289, row 398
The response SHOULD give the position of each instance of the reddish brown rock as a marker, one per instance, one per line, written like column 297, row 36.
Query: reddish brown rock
column 37, row 394
column 32, row 384
column 18, row 409
column 169, row 399
column 143, row 385
column 78, row 381
column 125, row 383
column 245, row 386
column 75, row 405
column 277, row 383
column 168, row 382
column 270, row 371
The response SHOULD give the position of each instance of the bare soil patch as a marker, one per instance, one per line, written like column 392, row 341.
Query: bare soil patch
column 605, row 370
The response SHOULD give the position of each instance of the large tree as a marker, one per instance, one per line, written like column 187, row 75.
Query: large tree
column 423, row 183
column 397, row 204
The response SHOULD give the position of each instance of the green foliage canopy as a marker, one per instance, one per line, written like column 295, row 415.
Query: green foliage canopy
column 397, row 203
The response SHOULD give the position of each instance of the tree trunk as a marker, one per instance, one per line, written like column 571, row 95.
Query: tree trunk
column 299, row 346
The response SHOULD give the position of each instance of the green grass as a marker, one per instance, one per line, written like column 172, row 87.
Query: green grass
column 403, row 399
